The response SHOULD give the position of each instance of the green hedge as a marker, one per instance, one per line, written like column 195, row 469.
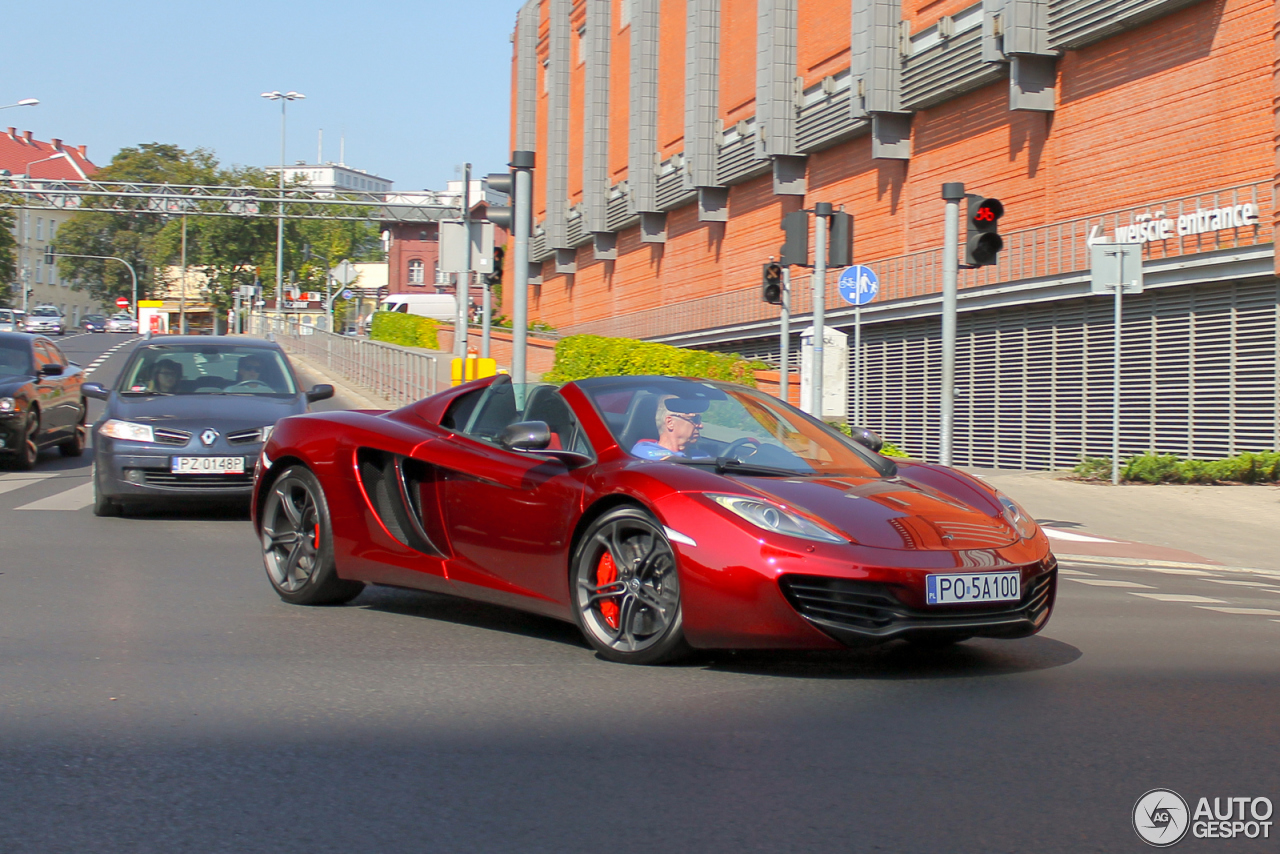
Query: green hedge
column 1261, row 467
column 408, row 330
column 582, row 356
column 889, row 449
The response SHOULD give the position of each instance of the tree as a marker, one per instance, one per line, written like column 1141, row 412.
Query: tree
column 8, row 262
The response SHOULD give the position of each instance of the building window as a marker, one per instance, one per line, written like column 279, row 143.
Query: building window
column 417, row 272
column 39, row 228
column 39, row 272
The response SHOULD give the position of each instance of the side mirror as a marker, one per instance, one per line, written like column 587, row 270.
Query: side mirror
column 320, row 392
column 51, row 370
column 526, row 436
column 867, row 438
column 95, row 390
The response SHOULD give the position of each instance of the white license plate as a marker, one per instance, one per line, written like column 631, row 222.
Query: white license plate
column 207, row 465
column 973, row 587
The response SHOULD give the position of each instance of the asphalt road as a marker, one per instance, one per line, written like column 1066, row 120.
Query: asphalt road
column 156, row 696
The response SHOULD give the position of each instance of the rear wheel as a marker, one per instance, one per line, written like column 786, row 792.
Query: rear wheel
column 626, row 589
column 297, row 542
column 74, row 447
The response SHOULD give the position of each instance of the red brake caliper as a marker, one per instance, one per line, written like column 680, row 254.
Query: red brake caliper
column 317, row 539
column 607, row 573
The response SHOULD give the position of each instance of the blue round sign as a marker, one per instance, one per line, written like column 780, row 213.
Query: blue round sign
column 859, row 285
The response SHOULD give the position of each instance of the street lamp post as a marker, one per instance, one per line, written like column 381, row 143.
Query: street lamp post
column 25, row 102
column 284, row 98
column 26, row 217
column 132, row 272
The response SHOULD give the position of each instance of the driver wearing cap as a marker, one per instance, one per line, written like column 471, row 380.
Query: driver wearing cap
column 679, row 426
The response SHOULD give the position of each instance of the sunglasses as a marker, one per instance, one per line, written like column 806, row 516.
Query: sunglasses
column 695, row 420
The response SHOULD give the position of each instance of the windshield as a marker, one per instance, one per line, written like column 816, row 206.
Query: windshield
column 5, row 315
column 207, row 369
column 729, row 426
column 45, row 311
column 15, row 358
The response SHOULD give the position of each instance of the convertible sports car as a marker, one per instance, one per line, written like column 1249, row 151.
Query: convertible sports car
column 659, row 514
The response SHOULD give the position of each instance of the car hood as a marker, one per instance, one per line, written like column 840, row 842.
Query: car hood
column 195, row 411
column 890, row 513
column 9, row 385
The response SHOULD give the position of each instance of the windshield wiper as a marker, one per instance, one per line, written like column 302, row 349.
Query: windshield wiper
column 151, row 393
column 734, row 465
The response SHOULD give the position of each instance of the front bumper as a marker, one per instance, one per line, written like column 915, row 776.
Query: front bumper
column 136, row 471
column 11, row 424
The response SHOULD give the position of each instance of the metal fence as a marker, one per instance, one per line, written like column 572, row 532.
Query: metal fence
column 399, row 374
column 1057, row 249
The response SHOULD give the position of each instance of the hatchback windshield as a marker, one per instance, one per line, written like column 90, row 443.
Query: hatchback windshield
column 729, row 426
column 45, row 311
column 206, row 369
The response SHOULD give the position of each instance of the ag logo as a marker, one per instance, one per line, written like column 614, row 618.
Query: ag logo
column 1160, row 817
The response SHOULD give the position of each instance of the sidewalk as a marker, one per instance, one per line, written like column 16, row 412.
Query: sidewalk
column 1228, row 525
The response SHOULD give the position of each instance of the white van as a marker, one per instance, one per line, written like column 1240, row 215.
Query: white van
column 435, row 306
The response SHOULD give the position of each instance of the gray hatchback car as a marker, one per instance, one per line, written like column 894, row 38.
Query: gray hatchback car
column 187, row 419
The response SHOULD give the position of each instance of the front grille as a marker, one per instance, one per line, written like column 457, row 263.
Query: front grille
column 197, row 481
column 171, row 437
column 849, row 609
column 245, row 437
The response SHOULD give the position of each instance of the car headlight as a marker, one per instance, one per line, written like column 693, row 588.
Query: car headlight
column 8, row 404
column 775, row 518
column 1017, row 517
column 266, row 432
column 128, row 431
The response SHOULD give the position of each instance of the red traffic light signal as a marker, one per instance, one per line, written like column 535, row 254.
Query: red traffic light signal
column 771, row 291
column 983, row 241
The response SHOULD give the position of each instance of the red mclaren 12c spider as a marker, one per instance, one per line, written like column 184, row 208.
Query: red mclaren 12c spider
column 659, row 514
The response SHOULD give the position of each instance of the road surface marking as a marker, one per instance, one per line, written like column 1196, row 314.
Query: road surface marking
column 1264, row 611
column 1199, row 573
column 1062, row 571
column 73, row 499
column 10, row 482
column 1178, row 597
column 1071, row 536
column 1107, row 582
column 1237, row 583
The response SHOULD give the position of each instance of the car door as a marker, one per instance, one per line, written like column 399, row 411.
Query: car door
column 72, row 378
column 48, row 393
column 509, row 515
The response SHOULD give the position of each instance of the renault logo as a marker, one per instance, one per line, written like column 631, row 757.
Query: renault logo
column 209, row 436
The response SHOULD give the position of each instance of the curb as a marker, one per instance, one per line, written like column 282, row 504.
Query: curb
column 1136, row 563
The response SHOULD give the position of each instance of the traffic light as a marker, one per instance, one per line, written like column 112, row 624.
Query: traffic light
column 495, row 277
column 500, row 215
column 772, row 288
column 840, row 243
column 795, row 248
column 983, row 241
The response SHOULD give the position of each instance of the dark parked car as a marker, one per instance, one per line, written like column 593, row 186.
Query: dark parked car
column 41, row 404
column 658, row 514
column 187, row 419
column 94, row 323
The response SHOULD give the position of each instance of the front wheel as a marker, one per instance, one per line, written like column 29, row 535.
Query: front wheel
column 626, row 589
column 29, row 451
column 102, row 505
column 74, row 447
column 297, row 542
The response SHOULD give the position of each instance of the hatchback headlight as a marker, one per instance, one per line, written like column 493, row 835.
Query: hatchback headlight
column 775, row 518
column 1017, row 517
column 128, row 431
column 8, row 404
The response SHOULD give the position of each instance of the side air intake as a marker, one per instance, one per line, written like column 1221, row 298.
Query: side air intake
column 393, row 484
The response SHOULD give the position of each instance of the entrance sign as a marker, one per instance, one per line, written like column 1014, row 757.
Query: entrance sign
column 859, row 285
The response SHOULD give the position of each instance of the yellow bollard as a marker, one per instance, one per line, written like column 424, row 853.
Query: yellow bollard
column 471, row 368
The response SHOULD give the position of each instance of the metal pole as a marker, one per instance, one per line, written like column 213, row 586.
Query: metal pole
column 280, row 226
column 784, row 337
column 26, row 271
column 182, row 298
column 821, row 211
column 1115, row 382
column 952, row 194
column 463, row 290
column 522, row 162
column 856, row 367
column 486, row 320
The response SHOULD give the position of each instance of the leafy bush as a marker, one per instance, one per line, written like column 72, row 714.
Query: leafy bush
column 582, row 356
column 407, row 330
column 1250, row 467
column 888, row 450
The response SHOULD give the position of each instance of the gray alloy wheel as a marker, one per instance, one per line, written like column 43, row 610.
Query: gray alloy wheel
column 626, row 589
column 74, row 447
column 102, row 505
column 25, row 459
column 297, row 542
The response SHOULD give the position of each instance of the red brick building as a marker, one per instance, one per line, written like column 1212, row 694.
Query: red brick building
column 673, row 135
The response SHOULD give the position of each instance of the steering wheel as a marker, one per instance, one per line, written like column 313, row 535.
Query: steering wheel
column 249, row 385
column 731, row 452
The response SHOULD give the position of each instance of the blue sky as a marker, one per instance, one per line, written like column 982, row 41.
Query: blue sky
column 418, row 87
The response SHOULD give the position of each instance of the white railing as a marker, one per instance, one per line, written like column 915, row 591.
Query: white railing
column 399, row 374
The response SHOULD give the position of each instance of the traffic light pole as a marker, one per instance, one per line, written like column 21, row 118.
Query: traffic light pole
column 784, row 336
column 821, row 211
column 952, row 194
column 463, row 288
column 522, row 164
